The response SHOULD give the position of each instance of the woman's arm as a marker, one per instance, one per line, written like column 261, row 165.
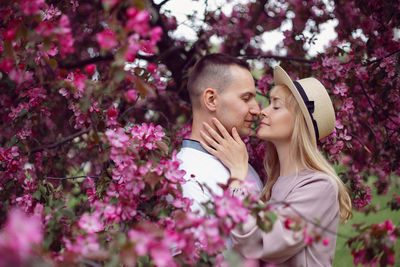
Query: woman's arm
column 315, row 199
column 230, row 150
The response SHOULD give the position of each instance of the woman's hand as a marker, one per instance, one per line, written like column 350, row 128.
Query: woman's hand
column 230, row 150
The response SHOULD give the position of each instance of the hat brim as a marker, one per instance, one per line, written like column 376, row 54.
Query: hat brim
column 282, row 78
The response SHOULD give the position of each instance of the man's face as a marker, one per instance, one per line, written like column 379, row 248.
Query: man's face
column 237, row 106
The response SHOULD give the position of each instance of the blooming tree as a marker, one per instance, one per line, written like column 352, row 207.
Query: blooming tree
column 94, row 108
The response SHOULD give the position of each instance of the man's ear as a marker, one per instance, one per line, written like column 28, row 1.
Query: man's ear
column 210, row 99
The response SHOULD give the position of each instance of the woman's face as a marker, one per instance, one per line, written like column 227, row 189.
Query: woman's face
column 278, row 120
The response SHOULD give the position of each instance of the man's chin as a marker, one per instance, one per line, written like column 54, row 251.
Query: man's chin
column 244, row 132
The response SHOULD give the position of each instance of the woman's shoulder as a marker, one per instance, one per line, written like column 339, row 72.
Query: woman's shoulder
column 316, row 178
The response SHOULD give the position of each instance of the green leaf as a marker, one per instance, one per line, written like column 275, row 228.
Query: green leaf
column 58, row 204
column 37, row 195
column 57, row 216
column 22, row 113
column 42, row 189
column 119, row 76
column 68, row 212
column 47, row 240
column 13, row 141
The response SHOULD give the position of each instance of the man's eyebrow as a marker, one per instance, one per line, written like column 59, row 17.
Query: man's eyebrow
column 248, row 93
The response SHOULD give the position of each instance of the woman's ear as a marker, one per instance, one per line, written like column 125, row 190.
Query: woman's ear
column 210, row 99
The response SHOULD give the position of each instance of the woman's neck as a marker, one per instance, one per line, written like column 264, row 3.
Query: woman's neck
column 287, row 165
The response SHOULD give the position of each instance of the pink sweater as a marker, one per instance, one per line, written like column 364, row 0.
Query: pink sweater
column 314, row 195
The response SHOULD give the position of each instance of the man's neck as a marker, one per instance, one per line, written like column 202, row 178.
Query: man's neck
column 197, row 126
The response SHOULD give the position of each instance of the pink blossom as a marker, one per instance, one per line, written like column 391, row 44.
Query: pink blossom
column 147, row 135
column 171, row 169
column 31, row 7
column 106, row 39
column 66, row 44
column 152, row 68
column 91, row 223
column 288, row 37
column 6, row 65
column 80, row 82
column 20, row 76
column 51, row 13
column 90, row 69
column 45, row 28
column 118, row 138
column 131, row 95
column 264, row 83
column 220, row 261
column 139, row 22
column 156, row 34
column 112, row 214
column 340, row 89
column 131, row 12
column 64, row 93
column 83, row 244
column 20, row 235
column 289, row 223
column 326, row 241
column 231, row 206
column 9, row 34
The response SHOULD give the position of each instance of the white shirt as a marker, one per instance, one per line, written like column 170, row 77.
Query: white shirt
column 203, row 168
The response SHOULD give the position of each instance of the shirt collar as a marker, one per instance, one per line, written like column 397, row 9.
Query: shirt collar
column 190, row 143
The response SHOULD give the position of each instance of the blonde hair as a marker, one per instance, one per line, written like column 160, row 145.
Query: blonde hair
column 304, row 150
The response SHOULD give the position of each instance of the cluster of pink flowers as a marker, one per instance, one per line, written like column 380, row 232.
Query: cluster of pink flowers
column 90, row 187
column 20, row 238
column 384, row 234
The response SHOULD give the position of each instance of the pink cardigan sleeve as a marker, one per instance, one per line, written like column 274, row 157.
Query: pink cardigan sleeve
column 314, row 198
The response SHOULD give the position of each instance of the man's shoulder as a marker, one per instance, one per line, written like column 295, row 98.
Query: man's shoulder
column 201, row 165
column 187, row 154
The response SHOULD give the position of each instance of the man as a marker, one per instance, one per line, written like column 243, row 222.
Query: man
column 219, row 86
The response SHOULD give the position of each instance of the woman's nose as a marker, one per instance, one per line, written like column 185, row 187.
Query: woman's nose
column 264, row 113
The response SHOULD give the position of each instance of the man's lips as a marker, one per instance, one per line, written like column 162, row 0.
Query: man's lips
column 265, row 123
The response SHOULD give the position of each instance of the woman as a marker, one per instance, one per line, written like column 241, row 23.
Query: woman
column 299, row 114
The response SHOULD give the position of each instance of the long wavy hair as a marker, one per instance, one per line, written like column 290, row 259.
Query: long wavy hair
column 305, row 151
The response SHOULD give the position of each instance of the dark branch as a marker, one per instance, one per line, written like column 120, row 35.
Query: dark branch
column 324, row 228
column 84, row 62
column 107, row 57
column 379, row 59
column 260, row 9
column 59, row 143
column 283, row 58
column 73, row 177
column 162, row 3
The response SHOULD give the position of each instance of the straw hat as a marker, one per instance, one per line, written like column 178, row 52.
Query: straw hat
column 314, row 102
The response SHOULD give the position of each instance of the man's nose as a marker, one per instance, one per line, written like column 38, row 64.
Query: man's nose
column 255, row 108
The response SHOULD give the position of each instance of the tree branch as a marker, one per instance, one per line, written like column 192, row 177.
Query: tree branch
column 324, row 228
column 162, row 3
column 257, row 13
column 85, row 62
column 284, row 58
column 73, row 177
column 59, row 143
column 379, row 59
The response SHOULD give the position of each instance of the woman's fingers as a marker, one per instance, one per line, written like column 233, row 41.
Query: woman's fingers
column 221, row 128
column 212, row 133
column 210, row 141
column 208, row 148
column 236, row 136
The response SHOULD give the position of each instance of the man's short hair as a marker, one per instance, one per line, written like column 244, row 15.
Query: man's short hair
column 212, row 71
